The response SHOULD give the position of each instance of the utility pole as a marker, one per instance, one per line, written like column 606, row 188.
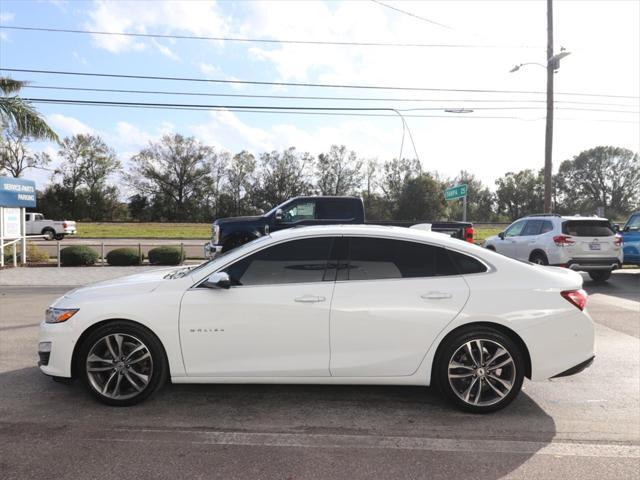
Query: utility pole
column 548, row 137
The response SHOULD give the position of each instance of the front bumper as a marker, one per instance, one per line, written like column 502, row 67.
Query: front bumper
column 211, row 250
column 55, row 362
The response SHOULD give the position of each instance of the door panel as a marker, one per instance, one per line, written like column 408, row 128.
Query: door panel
column 257, row 331
column 384, row 327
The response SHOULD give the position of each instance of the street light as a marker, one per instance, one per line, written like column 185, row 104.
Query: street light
column 553, row 64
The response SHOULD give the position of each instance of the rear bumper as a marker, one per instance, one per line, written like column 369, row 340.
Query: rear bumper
column 592, row 264
column 576, row 369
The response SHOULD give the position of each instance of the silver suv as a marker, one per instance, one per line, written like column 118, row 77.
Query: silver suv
column 587, row 244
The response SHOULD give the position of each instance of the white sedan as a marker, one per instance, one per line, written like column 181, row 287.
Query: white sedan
column 327, row 305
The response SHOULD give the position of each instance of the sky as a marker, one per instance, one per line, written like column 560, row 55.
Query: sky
column 504, row 132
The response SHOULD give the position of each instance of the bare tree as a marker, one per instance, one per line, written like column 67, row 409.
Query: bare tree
column 15, row 157
column 339, row 172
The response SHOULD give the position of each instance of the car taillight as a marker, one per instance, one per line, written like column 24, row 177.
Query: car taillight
column 563, row 240
column 64, row 224
column 468, row 234
column 618, row 240
column 576, row 297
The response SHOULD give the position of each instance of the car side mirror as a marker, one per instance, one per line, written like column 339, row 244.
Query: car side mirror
column 279, row 215
column 501, row 235
column 218, row 280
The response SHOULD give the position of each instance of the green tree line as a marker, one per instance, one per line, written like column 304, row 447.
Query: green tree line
column 179, row 179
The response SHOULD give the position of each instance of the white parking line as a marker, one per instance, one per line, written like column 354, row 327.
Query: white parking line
column 616, row 301
column 376, row 442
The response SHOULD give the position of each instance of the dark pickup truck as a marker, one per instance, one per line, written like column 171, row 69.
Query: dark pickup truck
column 229, row 233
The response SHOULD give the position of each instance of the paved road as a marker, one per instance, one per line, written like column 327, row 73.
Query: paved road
column 582, row 427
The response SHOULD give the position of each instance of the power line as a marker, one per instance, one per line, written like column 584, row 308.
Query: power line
column 404, row 12
column 285, row 108
column 260, row 40
column 344, row 114
column 306, row 97
column 293, row 84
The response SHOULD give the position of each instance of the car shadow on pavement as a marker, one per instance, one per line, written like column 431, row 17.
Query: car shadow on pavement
column 31, row 404
column 623, row 284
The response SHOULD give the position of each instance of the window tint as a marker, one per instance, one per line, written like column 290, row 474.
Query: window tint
column 587, row 228
column 299, row 211
column 514, row 230
column 533, row 227
column 547, row 226
column 298, row 261
column 466, row 264
column 341, row 209
column 378, row 258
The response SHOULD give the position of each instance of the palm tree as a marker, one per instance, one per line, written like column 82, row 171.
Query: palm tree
column 14, row 109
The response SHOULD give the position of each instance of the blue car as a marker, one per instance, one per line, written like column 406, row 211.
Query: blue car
column 631, row 237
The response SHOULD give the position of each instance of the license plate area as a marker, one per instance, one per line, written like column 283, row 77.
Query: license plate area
column 594, row 246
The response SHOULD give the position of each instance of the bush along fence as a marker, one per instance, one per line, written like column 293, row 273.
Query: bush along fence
column 123, row 255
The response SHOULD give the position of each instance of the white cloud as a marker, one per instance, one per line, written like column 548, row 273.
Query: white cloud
column 164, row 50
column 68, row 125
column 164, row 17
column 7, row 17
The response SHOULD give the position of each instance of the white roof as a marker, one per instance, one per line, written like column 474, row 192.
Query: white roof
column 373, row 231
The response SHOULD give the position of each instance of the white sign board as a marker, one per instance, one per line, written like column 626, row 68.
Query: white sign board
column 11, row 223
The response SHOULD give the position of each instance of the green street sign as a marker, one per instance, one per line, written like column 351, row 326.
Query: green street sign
column 456, row 192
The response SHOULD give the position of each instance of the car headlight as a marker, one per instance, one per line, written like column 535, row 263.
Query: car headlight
column 58, row 315
column 215, row 234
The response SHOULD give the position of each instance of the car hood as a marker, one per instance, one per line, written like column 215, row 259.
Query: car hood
column 229, row 220
column 128, row 285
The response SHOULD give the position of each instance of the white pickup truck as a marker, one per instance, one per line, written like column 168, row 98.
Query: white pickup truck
column 51, row 229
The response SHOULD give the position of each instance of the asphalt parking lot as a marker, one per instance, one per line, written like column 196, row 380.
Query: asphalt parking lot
column 582, row 427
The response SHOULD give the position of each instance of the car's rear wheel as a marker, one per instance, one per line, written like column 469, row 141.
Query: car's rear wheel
column 479, row 370
column 539, row 258
column 59, row 236
column 600, row 276
column 49, row 233
column 122, row 363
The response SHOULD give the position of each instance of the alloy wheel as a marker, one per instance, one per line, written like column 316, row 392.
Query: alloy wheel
column 481, row 372
column 119, row 366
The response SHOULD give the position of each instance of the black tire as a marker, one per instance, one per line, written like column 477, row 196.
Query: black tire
column 454, row 344
column 600, row 276
column 59, row 236
column 539, row 258
column 49, row 233
column 157, row 373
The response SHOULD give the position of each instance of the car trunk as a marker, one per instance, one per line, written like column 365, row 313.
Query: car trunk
column 592, row 238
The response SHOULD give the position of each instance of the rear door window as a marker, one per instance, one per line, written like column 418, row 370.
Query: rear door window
column 547, row 226
column 305, row 210
column 381, row 258
column 587, row 228
column 466, row 264
column 337, row 209
column 533, row 227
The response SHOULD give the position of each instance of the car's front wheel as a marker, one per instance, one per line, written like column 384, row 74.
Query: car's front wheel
column 122, row 363
column 479, row 370
column 600, row 276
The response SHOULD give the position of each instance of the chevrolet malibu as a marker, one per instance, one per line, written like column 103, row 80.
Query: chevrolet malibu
column 327, row 305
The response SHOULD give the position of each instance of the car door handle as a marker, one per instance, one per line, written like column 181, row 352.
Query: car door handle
column 436, row 295
column 310, row 299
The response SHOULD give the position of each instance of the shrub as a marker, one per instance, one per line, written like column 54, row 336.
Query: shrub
column 122, row 257
column 166, row 256
column 77, row 255
column 34, row 254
